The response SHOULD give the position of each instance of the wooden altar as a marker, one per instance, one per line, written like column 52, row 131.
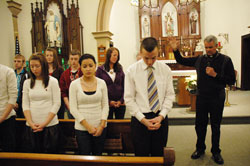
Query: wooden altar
column 164, row 19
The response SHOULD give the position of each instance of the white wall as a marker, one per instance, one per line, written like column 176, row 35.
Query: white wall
column 230, row 17
column 88, row 16
column 124, row 24
column 6, row 35
column 24, row 27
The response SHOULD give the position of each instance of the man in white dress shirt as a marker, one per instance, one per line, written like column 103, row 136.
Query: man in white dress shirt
column 149, row 128
column 8, row 96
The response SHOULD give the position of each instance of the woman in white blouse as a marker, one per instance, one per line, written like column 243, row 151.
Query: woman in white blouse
column 41, row 102
column 88, row 98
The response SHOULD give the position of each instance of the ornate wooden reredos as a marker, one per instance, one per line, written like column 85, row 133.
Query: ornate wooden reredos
column 51, row 28
column 163, row 19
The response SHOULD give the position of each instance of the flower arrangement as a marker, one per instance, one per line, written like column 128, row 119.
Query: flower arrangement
column 191, row 84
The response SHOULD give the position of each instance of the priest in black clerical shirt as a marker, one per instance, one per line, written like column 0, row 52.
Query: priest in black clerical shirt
column 214, row 72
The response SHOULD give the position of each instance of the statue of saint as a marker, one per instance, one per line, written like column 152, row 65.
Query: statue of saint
column 193, row 23
column 146, row 28
column 199, row 46
column 169, row 24
column 52, row 27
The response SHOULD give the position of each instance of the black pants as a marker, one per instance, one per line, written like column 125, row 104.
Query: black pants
column 8, row 135
column 60, row 113
column 119, row 112
column 213, row 106
column 90, row 145
column 146, row 142
column 19, row 112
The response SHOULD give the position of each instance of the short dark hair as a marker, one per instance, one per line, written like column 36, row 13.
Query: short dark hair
column 86, row 56
column 149, row 44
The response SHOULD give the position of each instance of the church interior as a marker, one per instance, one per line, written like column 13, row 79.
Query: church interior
column 92, row 26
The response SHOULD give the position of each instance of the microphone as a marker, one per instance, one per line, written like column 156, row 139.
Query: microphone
column 209, row 60
column 208, row 64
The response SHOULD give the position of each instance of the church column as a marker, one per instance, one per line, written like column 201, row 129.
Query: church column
column 102, row 34
column 103, row 41
column 15, row 9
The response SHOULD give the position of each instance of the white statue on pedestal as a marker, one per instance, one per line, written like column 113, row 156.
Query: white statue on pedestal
column 146, row 27
column 199, row 46
column 53, row 29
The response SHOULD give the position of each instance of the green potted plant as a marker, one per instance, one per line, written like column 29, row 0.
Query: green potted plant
column 191, row 84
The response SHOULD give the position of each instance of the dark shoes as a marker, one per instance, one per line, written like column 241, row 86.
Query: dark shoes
column 218, row 158
column 197, row 154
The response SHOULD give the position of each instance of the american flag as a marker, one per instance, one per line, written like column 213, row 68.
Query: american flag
column 17, row 47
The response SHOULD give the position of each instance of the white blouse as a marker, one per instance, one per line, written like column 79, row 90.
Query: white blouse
column 112, row 74
column 8, row 89
column 93, row 108
column 40, row 101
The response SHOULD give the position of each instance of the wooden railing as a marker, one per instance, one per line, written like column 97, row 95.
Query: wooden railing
column 31, row 159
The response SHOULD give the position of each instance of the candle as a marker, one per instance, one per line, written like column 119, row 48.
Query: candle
column 35, row 49
column 70, row 47
column 181, row 39
column 219, row 44
column 160, row 41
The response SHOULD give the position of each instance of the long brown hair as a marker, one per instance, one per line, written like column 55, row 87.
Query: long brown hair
column 55, row 57
column 45, row 72
column 117, row 65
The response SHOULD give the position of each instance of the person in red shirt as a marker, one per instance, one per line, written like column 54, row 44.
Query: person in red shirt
column 69, row 75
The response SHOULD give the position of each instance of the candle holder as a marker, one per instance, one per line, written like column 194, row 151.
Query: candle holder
column 219, row 48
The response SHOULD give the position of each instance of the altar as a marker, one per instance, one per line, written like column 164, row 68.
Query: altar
column 179, row 77
column 182, row 95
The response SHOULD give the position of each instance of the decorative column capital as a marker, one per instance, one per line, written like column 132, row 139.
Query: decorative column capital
column 102, row 35
column 14, row 7
column 103, row 41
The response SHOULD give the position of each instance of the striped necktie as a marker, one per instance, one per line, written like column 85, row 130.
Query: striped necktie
column 152, row 91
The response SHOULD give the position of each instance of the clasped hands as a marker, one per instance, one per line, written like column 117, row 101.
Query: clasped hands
column 95, row 131
column 37, row 127
column 115, row 104
column 152, row 124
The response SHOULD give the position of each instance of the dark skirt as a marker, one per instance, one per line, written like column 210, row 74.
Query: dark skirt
column 46, row 141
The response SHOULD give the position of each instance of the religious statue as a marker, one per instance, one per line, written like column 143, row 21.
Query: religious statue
column 145, row 2
column 146, row 27
column 154, row 3
column 199, row 46
column 52, row 27
column 169, row 24
column 193, row 23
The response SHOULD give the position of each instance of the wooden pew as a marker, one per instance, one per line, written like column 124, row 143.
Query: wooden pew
column 32, row 159
column 118, row 135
